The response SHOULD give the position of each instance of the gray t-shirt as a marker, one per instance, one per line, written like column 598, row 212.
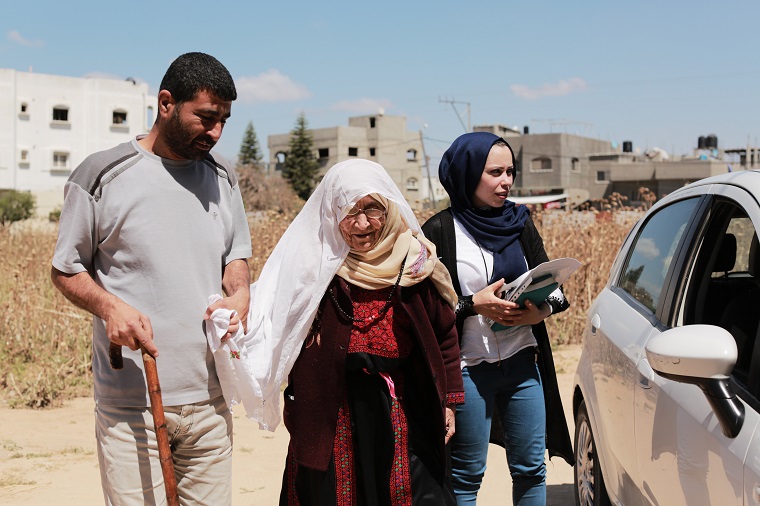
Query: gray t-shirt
column 157, row 234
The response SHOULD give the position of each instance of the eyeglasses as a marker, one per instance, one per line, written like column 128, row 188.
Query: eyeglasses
column 372, row 213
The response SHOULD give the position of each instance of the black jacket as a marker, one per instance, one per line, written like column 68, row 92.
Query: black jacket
column 440, row 230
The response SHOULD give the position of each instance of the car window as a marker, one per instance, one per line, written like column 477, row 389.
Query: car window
column 741, row 229
column 724, row 282
column 643, row 275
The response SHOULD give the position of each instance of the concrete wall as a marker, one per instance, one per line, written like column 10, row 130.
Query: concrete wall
column 627, row 175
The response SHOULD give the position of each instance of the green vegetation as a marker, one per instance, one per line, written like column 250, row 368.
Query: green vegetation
column 15, row 206
column 250, row 152
column 301, row 166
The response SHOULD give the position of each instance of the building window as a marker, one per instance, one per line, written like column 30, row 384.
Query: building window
column 60, row 160
column 411, row 155
column 576, row 165
column 372, row 122
column 280, row 164
column 23, row 108
column 353, row 151
column 371, row 151
column 602, row 176
column 119, row 117
column 149, row 118
column 61, row 113
column 23, row 158
column 324, row 152
column 541, row 164
column 412, row 184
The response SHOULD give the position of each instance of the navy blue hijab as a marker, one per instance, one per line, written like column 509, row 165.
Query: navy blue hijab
column 496, row 229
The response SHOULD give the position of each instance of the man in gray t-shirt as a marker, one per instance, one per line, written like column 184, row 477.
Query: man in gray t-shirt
column 149, row 230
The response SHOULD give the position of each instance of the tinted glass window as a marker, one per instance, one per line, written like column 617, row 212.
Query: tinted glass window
column 644, row 273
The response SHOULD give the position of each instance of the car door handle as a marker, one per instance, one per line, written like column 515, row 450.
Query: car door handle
column 646, row 373
column 595, row 323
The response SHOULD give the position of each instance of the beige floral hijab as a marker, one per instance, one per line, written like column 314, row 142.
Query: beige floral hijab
column 379, row 267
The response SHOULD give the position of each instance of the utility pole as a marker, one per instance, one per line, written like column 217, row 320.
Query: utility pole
column 427, row 169
column 468, row 128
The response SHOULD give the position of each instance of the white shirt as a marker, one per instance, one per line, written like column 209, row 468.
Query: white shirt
column 479, row 343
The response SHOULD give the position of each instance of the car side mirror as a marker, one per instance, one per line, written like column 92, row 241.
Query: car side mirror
column 702, row 355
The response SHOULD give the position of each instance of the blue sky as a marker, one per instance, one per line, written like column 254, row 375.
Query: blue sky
column 659, row 74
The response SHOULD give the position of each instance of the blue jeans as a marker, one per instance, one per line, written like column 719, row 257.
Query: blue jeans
column 514, row 388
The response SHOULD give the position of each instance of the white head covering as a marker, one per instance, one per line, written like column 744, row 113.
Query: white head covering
column 285, row 298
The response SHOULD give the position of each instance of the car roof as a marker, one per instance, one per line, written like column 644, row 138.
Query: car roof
column 747, row 179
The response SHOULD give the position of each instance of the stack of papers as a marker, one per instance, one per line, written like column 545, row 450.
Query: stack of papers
column 536, row 284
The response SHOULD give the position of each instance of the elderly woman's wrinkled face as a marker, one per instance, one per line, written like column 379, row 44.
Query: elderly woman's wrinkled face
column 497, row 179
column 362, row 226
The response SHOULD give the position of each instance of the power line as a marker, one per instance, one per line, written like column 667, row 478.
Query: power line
column 453, row 103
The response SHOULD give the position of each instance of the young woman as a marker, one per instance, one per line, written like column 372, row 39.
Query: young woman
column 509, row 378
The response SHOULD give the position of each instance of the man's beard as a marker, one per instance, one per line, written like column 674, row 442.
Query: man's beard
column 180, row 140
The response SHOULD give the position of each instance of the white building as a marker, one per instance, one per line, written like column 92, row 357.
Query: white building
column 380, row 138
column 49, row 124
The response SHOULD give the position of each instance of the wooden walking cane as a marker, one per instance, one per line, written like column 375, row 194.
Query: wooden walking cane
column 159, row 420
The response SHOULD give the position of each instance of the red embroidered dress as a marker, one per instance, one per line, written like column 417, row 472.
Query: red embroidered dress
column 372, row 456
column 372, row 333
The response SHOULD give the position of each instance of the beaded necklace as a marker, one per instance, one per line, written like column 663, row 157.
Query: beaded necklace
column 381, row 312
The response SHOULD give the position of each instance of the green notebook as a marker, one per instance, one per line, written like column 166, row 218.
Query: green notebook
column 537, row 292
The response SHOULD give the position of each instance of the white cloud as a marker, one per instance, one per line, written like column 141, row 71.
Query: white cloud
column 270, row 86
column 363, row 105
column 561, row 88
column 647, row 248
column 16, row 37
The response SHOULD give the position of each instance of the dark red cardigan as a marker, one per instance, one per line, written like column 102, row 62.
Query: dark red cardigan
column 316, row 385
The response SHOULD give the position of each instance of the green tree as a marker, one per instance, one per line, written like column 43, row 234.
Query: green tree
column 301, row 166
column 250, row 152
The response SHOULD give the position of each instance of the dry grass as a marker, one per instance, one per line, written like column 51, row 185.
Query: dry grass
column 46, row 342
column 595, row 246
column 45, row 352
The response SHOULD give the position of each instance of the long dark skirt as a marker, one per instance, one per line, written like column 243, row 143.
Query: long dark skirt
column 381, row 456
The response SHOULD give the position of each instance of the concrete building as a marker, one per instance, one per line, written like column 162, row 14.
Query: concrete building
column 380, row 138
column 49, row 124
column 572, row 169
column 627, row 173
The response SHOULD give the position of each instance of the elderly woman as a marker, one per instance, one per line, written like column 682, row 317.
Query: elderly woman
column 355, row 300
column 508, row 373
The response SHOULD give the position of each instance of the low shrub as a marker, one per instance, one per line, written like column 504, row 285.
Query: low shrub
column 15, row 206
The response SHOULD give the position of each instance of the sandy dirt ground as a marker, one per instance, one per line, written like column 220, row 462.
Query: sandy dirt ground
column 48, row 457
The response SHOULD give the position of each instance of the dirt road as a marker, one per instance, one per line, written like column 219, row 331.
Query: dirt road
column 48, row 457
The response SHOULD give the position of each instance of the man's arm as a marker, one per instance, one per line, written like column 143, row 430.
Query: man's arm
column 125, row 326
column 236, row 282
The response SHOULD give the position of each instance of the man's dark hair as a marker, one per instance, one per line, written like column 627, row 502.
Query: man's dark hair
column 191, row 73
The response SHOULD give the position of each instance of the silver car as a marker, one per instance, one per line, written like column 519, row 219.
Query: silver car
column 667, row 390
